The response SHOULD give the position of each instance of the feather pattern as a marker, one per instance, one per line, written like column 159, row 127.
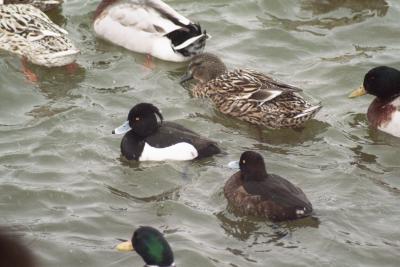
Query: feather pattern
column 257, row 98
column 149, row 26
column 43, row 5
column 28, row 32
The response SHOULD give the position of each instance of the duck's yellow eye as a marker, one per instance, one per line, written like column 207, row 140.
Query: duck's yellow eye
column 243, row 161
column 137, row 119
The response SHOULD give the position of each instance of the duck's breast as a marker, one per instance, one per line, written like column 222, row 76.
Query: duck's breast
column 385, row 117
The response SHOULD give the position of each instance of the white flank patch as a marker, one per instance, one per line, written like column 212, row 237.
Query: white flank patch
column 393, row 126
column 180, row 151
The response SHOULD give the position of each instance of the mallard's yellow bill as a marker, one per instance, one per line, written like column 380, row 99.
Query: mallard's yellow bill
column 125, row 246
column 359, row 92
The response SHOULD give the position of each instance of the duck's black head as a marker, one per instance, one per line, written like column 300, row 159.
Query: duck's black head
column 252, row 166
column 151, row 245
column 142, row 119
column 383, row 82
column 204, row 67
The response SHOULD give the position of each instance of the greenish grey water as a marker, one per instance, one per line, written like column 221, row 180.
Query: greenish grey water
column 65, row 187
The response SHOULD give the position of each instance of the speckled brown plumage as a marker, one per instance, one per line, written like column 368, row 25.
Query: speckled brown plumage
column 249, row 95
column 43, row 5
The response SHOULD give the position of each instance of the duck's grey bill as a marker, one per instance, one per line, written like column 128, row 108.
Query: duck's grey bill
column 233, row 165
column 188, row 76
column 124, row 128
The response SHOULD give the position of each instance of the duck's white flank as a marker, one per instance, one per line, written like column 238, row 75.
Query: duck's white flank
column 179, row 151
column 140, row 29
column 393, row 125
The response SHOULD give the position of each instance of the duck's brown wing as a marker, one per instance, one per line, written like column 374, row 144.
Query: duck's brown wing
column 250, row 85
column 280, row 191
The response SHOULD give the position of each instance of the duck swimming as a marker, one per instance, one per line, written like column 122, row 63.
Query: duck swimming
column 149, row 26
column 44, row 5
column 151, row 245
column 248, row 95
column 383, row 113
column 28, row 32
column 252, row 191
column 148, row 140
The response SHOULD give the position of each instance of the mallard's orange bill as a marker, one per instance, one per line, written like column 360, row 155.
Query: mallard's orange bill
column 359, row 92
column 125, row 246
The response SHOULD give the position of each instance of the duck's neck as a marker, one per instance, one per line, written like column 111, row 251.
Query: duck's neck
column 103, row 5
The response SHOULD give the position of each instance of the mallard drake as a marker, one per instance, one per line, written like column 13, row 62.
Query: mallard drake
column 151, row 245
column 149, row 26
column 28, row 32
column 43, row 5
column 383, row 113
column 252, row 191
column 148, row 140
column 248, row 95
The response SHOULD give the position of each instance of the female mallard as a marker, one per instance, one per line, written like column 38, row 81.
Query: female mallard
column 147, row 140
column 149, row 26
column 383, row 113
column 150, row 244
column 43, row 5
column 28, row 32
column 248, row 95
column 252, row 191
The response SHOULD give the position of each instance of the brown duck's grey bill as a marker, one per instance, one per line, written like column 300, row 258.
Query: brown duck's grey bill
column 124, row 128
column 187, row 77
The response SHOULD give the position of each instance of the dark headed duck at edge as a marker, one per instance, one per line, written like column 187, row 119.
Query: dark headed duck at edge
column 383, row 113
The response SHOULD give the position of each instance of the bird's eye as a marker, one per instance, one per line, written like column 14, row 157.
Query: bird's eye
column 243, row 161
column 137, row 119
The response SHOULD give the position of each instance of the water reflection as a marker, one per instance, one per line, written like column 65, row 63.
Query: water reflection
column 321, row 17
column 309, row 131
column 318, row 7
column 260, row 230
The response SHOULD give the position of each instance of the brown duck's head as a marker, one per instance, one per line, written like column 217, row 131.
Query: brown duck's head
column 252, row 166
column 203, row 68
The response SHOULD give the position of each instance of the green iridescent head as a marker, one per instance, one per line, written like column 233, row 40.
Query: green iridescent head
column 150, row 244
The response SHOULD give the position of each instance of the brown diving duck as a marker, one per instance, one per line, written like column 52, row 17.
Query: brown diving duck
column 249, row 95
column 252, row 191
column 383, row 113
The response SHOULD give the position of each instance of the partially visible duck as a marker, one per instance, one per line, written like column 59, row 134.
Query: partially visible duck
column 383, row 113
column 148, row 140
column 13, row 252
column 252, row 191
column 248, row 95
column 149, row 26
column 28, row 32
column 151, row 245
column 43, row 5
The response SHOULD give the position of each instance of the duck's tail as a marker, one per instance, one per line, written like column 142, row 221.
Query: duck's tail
column 309, row 112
